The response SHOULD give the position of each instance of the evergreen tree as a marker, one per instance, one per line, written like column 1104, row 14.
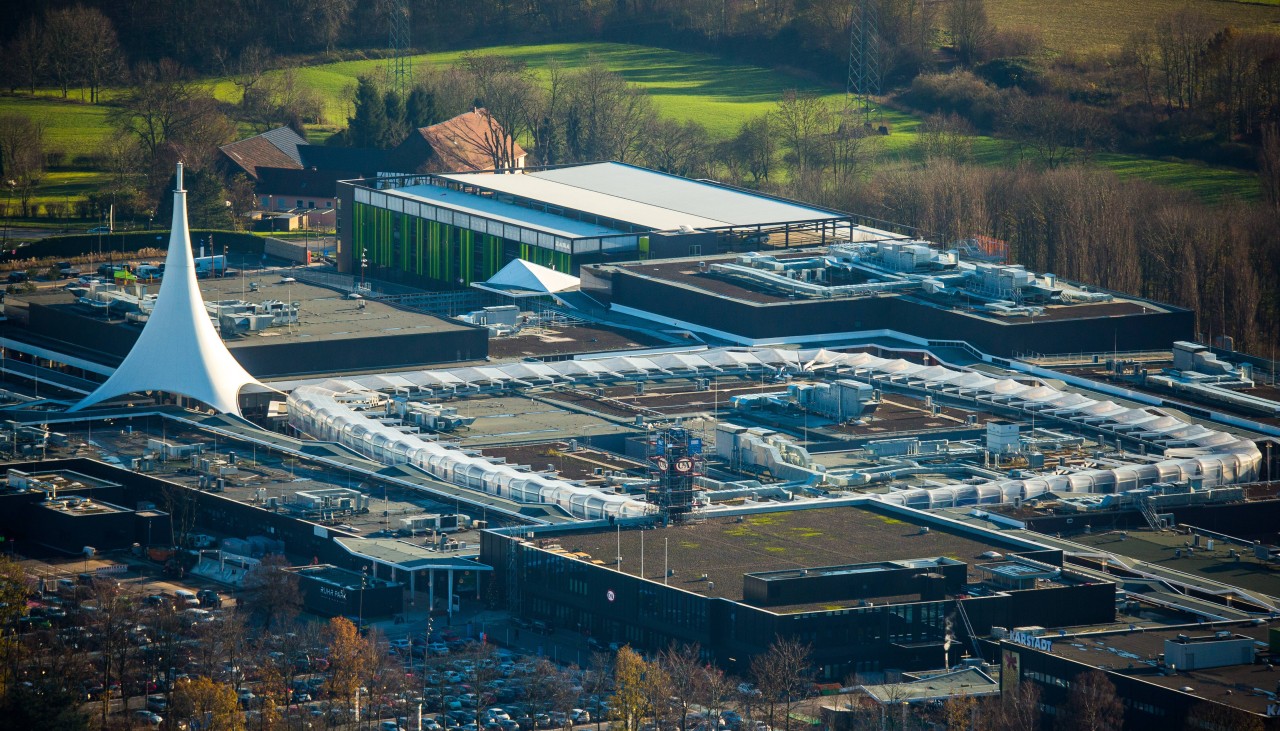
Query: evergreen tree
column 396, row 128
column 369, row 128
column 420, row 109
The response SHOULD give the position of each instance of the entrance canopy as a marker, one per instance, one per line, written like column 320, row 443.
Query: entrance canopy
column 521, row 278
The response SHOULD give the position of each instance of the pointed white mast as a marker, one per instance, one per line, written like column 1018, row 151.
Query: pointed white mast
column 179, row 351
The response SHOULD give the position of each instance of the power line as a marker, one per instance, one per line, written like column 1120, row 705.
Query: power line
column 864, row 56
column 400, row 70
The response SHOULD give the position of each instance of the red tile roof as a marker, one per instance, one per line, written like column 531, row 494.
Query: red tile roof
column 463, row 143
column 264, row 151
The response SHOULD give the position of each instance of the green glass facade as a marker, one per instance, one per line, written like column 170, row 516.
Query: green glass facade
column 402, row 247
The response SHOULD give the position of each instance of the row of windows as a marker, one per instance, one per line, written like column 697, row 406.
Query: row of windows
column 266, row 203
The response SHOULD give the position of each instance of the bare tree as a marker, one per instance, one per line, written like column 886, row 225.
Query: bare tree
column 970, row 29
column 782, row 675
column 27, row 53
column 683, row 666
column 801, row 120
column 21, row 157
column 1092, row 705
column 272, row 594
column 116, row 615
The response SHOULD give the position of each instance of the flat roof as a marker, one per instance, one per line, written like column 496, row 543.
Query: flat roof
column 561, row 195
column 410, row 557
column 507, row 420
column 324, row 313
column 500, row 211
column 690, row 273
column 728, row 548
column 340, row 577
column 1135, row 654
column 683, row 196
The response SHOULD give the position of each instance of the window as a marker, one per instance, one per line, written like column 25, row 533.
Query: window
column 328, row 204
column 311, row 204
column 695, row 250
column 299, row 204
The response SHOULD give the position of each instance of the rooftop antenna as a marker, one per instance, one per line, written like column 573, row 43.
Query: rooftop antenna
column 864, row 58
column 400, row 71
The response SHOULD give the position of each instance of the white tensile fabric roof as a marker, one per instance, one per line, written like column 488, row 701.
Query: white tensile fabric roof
column 524, row 275
column 178, row 351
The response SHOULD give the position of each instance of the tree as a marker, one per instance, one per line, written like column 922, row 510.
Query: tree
column 1092, row 705
column 970, row 29
column 1014, row 710
column 420, row 108
column 212, row 705
column 272, row 593
column 396, row 127
column 370, row 126
column 118, row 611
column 640, row 690
column 98, row 49
column 800, row 120
column 683, row 665
column 605, row 117
column 172, row 119
column 550, row 688
column 1218, row 717
column 782, row 675
column 755, row 147
column 21, row 157
column 679, row 148
column 351, row 658
column 27, row 54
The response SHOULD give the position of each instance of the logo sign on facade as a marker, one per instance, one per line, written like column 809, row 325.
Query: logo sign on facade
column 684, row 464
column 1010, row 670
column 695, row 446
column 661, row 446
column 1029, row 640
column 337, row 595
column 662, row 464
column 610, row 596
column 1273, row 709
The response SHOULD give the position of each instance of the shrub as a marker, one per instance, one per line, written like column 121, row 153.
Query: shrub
column 958, row 92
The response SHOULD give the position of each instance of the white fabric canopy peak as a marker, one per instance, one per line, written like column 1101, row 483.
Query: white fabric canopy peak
column 179, row 351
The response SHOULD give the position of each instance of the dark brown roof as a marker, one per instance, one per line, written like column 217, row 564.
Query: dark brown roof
column 277, row 148
column 460, row 144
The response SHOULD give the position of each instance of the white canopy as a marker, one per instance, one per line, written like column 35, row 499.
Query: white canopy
column 178, row 351
column 524, row 277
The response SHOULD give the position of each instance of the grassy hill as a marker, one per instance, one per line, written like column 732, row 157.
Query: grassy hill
column 720, row 94
column 1070, row 26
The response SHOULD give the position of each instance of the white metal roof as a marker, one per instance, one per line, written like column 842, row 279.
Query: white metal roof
column 505, row 212
column 605, row 205
column 679, row 195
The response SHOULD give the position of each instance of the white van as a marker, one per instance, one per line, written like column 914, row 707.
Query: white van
column 186, row 598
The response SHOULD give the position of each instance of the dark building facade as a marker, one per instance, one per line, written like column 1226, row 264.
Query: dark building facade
column 1151, row 698
column 59, row 325
column 793, row 320
column 333, row 592
column 901, row 625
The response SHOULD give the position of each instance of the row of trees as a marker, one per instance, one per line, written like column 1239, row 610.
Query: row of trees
column 1081, row 222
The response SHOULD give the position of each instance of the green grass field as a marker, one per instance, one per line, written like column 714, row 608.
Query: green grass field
column 1105, row 25
column 687, row 86
column 70, row 126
